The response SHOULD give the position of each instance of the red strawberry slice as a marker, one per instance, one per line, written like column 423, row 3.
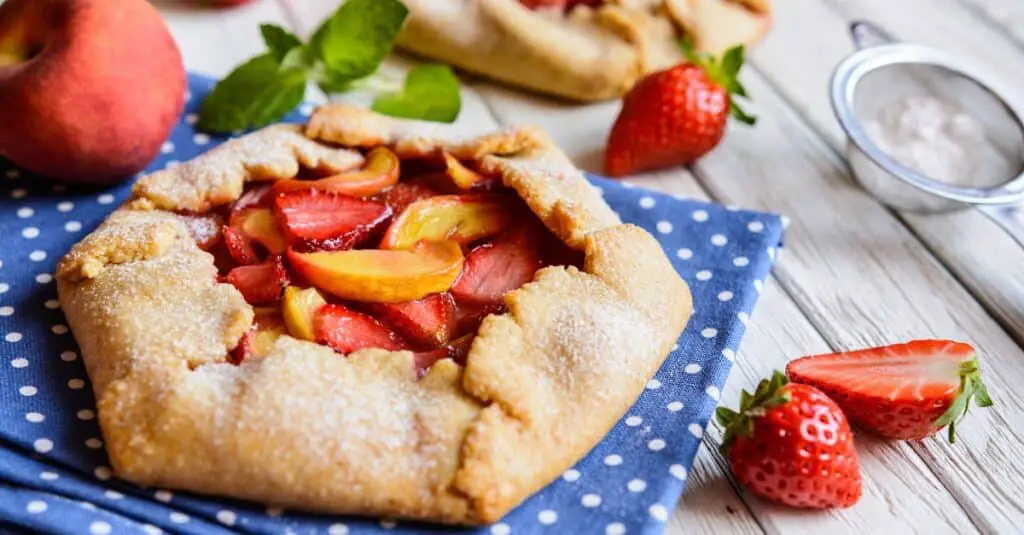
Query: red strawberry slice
column 905, row 391
column 331, row 221
column 468, row 317
column 458, row 350
column 346, row 330
column 239, row 246
column 427, row 322
column 423, row 360
column 256, row 197
column 205, row 229
column 260, row 284
column 244, row 347
column 494, row 269
column 401, row 195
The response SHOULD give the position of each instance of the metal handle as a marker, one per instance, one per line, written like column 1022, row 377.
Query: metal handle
column 1009, row 217
column 867, row 34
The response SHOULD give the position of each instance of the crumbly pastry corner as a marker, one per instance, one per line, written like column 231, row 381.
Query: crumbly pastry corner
column 307, row 428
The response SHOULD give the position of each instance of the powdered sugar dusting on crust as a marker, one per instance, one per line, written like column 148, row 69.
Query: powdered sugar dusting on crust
column 357, row 127
column 218, row 176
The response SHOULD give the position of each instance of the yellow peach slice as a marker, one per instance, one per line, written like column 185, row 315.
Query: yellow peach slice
column 260, row 225
column 299, row 307
column 459, row 218
column 464, row 178
column 381, row 276
column 380, row 172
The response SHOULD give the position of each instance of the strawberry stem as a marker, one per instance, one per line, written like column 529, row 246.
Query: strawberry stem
column 971, row 386
column 725, row 73
column 769, row 393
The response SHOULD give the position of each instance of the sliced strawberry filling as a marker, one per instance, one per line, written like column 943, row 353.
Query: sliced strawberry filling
column 239, row 246
column 260, row 284
column 426, row 322
column 331, row 221
column 376, row 262
column 493, row 269
column 346, row 330
column 401, row 195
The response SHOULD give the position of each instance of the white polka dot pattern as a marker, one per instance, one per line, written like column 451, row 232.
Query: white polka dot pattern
column 626, row 485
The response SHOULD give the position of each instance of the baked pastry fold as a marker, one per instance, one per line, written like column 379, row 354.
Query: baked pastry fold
column 586, row 54
column 306, row 428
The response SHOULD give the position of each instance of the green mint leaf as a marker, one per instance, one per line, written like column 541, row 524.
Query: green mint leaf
column 256, row 93
column 358, row 36
column 431, row 92
column 333, row 84
column 279, row 41
column 300, row 57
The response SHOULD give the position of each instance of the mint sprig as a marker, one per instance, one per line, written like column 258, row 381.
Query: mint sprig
column 345, row 52
column 430, row 92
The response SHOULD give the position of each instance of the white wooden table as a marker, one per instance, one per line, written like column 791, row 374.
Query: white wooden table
column 853, row 274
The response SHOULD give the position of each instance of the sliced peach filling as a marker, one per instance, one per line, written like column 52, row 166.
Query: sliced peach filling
column 366, row 260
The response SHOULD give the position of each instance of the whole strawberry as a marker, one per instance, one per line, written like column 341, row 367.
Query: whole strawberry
column 675, row 116
column 791, row 444
column 905, row 391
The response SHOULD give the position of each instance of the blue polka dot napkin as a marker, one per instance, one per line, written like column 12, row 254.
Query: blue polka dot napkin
column 54, row 473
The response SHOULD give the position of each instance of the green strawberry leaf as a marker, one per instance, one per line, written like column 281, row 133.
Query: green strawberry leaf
column 256, row 93
column 354, row 41
column 737, row 113
column 431, row 92
column 279, row 41
column 971, row 387
column 732, row 61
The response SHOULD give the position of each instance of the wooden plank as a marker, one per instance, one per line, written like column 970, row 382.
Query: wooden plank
column 778, row 332
column 863, row 279
column 213, row 41
column 1007, row 15
column 965, row 241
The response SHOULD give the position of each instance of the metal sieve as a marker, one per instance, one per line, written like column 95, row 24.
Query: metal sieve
column 986, row 148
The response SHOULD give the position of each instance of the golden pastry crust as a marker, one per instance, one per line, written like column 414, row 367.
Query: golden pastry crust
column 587, row 54
column 305, row 428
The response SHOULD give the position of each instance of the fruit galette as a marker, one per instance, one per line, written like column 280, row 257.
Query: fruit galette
column 367, row 315
column 579, row 49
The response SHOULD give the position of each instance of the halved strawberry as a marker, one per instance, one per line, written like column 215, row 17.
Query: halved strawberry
column 401, row 195
column 494, row 269
column 346, row 330
column 426, row 322
column 260, row 284
column 331, row 221
column 239, row 246
column 905, row 391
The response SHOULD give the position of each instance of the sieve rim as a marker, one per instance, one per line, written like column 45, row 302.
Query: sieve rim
column 858, row 65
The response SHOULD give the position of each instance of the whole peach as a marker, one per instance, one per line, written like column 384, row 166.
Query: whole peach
column 89, row 89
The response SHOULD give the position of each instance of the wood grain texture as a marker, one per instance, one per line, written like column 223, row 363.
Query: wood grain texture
column 863, row 279
column 981, row 255
column 1008, row 15
column 213, row 41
